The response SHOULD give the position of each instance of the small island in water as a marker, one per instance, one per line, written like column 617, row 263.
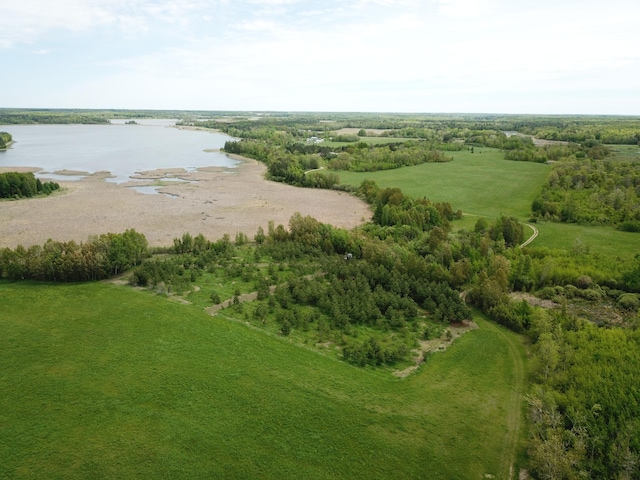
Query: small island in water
column 5, row 140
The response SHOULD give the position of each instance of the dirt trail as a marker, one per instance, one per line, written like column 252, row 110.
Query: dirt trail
column 532, row 237
column 245, row 297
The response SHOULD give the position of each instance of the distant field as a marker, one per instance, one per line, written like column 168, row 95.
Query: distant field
column 484, row 184
column 368, row 141
column 565, row 236
column 105, row 381
column 477, row 183
column 603, row 240
column 626, row 152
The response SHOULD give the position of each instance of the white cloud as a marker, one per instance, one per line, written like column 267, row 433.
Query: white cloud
column 467, row 8
column 274, row 2
column 27, row 21
column 358, row 54
column 257, row 25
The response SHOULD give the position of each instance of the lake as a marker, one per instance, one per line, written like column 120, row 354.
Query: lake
column 121, row 149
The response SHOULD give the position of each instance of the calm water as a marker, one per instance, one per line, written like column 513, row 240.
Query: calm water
column 120, row 149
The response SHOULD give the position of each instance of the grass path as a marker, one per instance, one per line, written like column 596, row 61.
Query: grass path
column 532, row 237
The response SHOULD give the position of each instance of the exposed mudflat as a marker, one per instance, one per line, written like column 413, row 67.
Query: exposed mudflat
column 212, row 201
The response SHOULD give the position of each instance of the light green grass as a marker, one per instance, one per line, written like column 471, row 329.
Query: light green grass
column 105, row 381
column 626, row 152
column 484, row 184
column 477, row 183
column 603, row 240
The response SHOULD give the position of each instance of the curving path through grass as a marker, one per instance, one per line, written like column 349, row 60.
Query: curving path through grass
column 532, row 237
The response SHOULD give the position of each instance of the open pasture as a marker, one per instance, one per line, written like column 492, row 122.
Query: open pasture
column 480, row 183
column 100, row 380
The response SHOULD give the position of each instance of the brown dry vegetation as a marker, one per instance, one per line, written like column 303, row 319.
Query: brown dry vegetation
column 219, row 201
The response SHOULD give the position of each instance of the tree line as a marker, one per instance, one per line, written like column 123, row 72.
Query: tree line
column 55, row 261
column 24, row 185
column 290, row 163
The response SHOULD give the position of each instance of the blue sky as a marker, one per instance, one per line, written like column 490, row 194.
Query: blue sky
column 497, row 56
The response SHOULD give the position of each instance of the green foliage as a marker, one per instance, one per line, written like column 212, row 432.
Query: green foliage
column 371, row 352
column 629, row 301
column 584, row 406
column 358, row 286
column 20, row 185
column 194, row 255
column 99, row 258
column 385, row 157
column 5, row 139
column 592, row 192
column 401, row 217
column 508, row 229
column 589, row 130
column 10, row 116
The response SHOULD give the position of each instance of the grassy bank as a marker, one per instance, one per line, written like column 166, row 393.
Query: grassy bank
column 106, row 381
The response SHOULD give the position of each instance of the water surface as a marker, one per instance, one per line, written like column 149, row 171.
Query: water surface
column 119, row 149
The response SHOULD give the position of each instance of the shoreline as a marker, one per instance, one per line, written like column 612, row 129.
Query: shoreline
column 213, row 201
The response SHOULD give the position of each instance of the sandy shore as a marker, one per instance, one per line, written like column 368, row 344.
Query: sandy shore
column 217, row 201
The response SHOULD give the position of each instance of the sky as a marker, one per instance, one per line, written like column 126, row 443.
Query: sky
column 431, row 56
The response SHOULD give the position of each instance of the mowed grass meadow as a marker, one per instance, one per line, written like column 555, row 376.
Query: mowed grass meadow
column 480, row 183
column 105, row 381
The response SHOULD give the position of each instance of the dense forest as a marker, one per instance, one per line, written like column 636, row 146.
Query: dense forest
column 23, row 185
column 601, row 192
column 583, row 404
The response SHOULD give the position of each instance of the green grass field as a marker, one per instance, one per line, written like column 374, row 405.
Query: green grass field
column 484, row 184
column 104, row 381
column 606, row 241
column 477, row 183
column 626, row 152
